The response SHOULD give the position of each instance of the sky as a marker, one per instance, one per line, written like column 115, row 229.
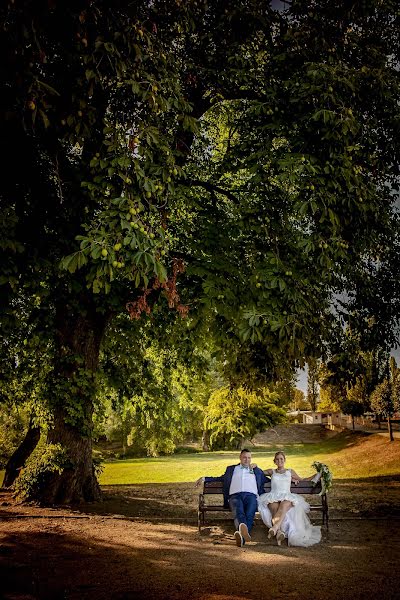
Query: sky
column 302, row 380
column 302, row 373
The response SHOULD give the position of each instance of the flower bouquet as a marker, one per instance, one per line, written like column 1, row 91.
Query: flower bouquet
column 324, row 475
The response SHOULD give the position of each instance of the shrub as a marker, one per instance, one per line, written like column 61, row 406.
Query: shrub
column 38, row 469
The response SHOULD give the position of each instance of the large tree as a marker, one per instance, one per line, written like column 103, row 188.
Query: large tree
column 111, row 189
column 90, row 109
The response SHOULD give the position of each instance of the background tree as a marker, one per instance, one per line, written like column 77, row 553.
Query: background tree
column 285, row 387
column 385, row 399
column 349, row 377
column 352, row 406
column 330, row 394
column 234, row 415
column 312, row 384
column 153, row 389
column 300, row 401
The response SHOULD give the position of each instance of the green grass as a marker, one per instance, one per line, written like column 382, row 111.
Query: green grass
column 349, row 456
column 169, row 469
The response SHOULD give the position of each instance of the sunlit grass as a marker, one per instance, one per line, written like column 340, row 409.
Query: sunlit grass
column 349, row 456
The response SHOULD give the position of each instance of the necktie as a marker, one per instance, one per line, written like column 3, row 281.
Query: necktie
column 247, row 469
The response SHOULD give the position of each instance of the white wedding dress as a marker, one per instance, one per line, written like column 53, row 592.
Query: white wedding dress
column 296, row 525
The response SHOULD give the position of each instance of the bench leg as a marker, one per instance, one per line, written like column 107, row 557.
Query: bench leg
column 325, row 514
column 201, row 521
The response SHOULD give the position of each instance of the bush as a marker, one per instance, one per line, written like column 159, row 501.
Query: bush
column 41, row 464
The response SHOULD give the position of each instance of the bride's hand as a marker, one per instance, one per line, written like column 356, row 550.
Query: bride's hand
column 253, row 466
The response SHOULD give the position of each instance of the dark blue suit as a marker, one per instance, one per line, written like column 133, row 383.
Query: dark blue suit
column 244, row 504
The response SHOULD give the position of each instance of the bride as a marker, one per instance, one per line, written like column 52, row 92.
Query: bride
column 284, row 513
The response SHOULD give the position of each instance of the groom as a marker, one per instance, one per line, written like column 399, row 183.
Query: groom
column 241, row 486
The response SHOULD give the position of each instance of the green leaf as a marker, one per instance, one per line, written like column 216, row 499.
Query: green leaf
column 96, row 286
column 45, row 118
column 48, row 88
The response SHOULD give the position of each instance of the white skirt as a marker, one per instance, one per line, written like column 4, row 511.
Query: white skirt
column 296, row 525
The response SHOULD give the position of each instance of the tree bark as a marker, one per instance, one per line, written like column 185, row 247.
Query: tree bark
column 205, row 441
column 79, row 335
column 18, row 459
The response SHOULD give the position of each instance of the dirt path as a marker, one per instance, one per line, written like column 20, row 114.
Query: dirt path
column 142, row 543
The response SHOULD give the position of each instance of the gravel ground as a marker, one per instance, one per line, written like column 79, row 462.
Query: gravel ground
column 142, row 542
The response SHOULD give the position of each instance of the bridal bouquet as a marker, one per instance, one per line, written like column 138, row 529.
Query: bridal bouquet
column 324, row 474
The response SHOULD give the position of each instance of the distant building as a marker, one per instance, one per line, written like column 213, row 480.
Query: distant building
column 337, row 420
column 311, row 417
column 328, row 419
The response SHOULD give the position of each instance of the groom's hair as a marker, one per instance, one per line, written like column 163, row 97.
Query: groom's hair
column 245, row 450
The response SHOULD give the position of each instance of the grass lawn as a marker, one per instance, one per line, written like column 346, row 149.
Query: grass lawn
column 348, row 455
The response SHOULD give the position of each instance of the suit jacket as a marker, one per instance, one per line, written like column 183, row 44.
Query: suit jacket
column 226, row 478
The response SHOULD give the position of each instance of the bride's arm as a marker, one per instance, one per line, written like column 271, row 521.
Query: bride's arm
column 296, row 478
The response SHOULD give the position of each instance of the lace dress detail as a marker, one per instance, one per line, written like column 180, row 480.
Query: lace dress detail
column 296, row 524
column 280, row 488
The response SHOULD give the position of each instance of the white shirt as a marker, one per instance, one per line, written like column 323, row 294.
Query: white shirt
column 243, row 481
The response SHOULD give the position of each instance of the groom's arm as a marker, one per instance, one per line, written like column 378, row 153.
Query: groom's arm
column 262, row 478
column 203, row 479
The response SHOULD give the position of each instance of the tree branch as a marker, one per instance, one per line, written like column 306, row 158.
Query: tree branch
column 211, row 187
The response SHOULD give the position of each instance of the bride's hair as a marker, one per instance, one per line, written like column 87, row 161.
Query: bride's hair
column 278, row 453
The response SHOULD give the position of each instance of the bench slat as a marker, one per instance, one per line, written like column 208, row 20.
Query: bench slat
column 303, row 487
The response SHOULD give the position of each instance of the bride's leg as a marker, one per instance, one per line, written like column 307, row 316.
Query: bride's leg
column 273, row 507
column 284, row 506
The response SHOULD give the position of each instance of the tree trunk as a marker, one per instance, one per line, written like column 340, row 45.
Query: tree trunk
column 18, row 459
column 390, row 429
column 352, row 422
column 124, row 438
column 73, row 389
column 205, row 441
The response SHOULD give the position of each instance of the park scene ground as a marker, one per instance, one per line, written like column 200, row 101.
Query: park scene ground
column 142, row 540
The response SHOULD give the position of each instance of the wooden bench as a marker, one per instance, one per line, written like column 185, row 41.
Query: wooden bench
column 307, row 488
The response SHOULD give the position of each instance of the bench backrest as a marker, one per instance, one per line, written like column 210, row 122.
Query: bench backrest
column 303, row 487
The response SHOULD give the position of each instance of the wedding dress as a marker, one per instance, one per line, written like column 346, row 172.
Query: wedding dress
column 296, row 525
